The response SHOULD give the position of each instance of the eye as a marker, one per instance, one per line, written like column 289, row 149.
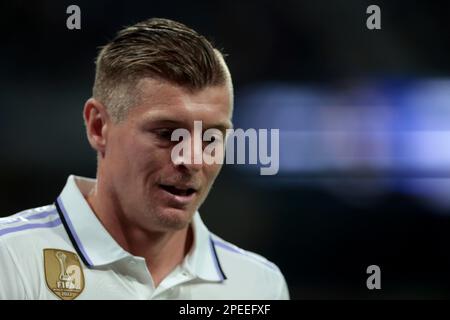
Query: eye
column 165, row 134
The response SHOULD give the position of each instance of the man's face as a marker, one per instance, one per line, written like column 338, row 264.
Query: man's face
column 153, row 192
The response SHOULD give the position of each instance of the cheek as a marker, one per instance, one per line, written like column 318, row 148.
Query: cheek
column 146, row 155
column 116, row 151
column 211, row 172
column 127, row 153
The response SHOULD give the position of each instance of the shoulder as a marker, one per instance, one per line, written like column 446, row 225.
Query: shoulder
column 22, row 238
column 25, row 227
column 232, row 254
column 243, row 266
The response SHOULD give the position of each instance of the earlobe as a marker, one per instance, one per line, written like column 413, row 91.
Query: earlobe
column 95, row 117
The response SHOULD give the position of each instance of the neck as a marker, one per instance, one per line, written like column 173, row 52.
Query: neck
column 162, row 250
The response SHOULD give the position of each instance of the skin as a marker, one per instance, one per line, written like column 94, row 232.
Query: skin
column 134, row 160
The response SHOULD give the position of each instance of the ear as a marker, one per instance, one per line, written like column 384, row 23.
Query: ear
column 97, row 122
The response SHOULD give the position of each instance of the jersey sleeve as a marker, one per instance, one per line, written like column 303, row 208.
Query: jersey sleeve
column 11, row 283
column 284, row 291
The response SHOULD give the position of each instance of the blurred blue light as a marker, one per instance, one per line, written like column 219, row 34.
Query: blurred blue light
column 399, row 131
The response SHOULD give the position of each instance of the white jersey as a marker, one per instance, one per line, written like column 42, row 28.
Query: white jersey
column 62, row 251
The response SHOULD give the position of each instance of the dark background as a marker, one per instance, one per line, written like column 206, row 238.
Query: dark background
column 324, row 227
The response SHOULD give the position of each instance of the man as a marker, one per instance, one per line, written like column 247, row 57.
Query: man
column 135, row 232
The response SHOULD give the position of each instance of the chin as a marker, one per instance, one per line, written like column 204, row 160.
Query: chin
column 173, row 218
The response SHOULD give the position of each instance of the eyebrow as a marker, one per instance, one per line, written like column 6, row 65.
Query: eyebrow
column 222, row 126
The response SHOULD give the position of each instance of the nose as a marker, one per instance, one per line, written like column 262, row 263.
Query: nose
column 189, row 155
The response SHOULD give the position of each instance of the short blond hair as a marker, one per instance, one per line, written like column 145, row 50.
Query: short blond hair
column 156, row 48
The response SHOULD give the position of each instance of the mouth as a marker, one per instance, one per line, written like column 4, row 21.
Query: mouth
column 179, row 194
column 178, row 191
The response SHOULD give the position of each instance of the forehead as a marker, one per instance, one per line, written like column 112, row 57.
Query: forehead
column 159, row 100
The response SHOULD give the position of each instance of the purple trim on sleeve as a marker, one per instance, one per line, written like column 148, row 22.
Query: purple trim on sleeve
column 19, row 218
column 41, row 215
column 51, row 224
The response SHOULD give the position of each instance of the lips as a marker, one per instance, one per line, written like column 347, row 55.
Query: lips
column 178, row 190
column 178, row 196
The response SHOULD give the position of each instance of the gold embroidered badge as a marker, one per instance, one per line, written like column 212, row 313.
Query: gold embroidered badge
column 63, row 273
